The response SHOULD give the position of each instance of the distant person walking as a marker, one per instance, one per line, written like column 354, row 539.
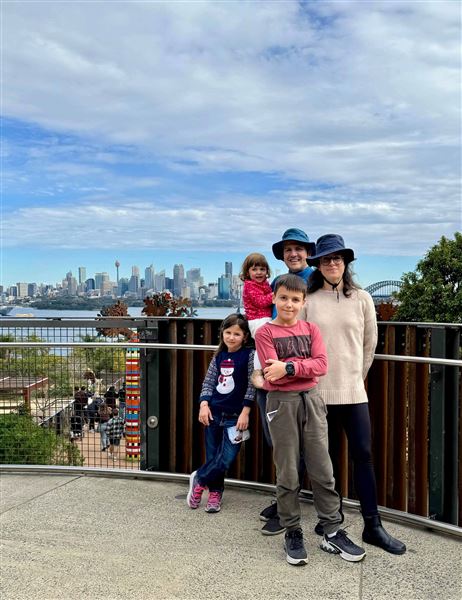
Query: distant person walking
column 80, row 401
column 114, row 431
column 110, row 397
column 92, row 413
column 122, row 400
column 104, row 413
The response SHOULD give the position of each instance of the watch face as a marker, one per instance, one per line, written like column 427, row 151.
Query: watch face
column 290, row 369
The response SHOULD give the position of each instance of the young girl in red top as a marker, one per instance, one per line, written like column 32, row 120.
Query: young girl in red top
column 257, row 293
column 257, row 299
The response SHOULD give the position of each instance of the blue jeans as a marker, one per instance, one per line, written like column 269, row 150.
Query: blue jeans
column 220, row 452
column 103, row 435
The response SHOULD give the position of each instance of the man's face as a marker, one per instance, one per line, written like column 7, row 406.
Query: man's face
column 295, row 256
column 288, row 304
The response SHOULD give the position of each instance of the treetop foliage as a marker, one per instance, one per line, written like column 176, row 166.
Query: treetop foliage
column 433, row 292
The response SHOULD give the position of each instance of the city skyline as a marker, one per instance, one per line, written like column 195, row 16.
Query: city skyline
column 214, row 126
column 368, row 274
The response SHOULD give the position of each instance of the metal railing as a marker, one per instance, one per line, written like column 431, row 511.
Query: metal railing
column 414, row 389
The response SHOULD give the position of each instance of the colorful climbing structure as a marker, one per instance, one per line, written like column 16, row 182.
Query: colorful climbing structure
column 132, row 414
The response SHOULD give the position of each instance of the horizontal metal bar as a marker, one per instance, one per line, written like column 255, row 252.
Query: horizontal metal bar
column 161, row 346
column 107, row 345
column 60, row 321
column 388, row 513
column 449, row 362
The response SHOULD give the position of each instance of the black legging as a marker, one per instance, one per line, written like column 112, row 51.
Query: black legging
column 355, row 420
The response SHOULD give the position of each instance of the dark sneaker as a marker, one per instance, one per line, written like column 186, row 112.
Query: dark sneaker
column 272, row 527
column 214, row 502
column 319, row 529
column 295, row 548
column 341, row 544
column 196, row 490
column 269, row 512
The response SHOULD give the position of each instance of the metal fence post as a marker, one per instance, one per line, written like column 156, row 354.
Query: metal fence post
column 451, row 428
column 149, row 417
column 436, row 454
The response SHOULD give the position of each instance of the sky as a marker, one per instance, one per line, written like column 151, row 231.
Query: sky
column 198, row 132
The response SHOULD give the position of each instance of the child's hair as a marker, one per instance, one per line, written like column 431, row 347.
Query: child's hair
column 234, row 319
column 253, row 260
column 291, row 282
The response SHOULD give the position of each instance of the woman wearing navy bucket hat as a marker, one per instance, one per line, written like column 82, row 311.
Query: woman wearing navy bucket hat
column 346, row 317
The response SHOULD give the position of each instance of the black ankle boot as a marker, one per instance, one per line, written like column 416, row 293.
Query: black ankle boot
column 376, row 535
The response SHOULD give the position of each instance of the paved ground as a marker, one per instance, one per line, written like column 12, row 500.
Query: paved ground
column 77, row 537
column 90, row 449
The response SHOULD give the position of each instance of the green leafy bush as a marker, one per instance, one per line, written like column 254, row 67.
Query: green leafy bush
column 24, row 442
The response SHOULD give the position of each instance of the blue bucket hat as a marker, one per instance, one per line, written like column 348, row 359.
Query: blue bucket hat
column 293, row 235
column 328, row 244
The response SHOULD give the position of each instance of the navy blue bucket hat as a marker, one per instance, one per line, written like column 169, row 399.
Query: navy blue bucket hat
column 328, row 244
column 293, row 235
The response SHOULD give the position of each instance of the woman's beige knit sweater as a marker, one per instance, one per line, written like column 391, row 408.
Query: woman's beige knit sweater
column 349, row 330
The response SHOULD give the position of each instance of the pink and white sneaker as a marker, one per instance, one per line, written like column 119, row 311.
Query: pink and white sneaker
column 214, row 502
column 196, row 490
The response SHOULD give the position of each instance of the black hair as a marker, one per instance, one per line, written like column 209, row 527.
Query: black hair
column 291, row 282
column 316, row 280
column 229, row 321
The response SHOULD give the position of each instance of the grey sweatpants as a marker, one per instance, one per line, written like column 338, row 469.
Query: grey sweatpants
column 298, row 426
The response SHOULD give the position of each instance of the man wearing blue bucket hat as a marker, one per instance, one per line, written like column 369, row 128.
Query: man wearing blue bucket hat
column 294, row 249
column 345, row 314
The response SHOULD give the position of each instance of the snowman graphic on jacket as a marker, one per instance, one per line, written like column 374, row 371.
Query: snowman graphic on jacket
column 225, row 379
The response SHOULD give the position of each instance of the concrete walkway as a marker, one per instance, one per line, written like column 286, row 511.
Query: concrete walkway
column 73, row 537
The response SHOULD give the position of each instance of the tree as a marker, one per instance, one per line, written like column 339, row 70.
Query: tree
column 433, row 292
column 99, row 360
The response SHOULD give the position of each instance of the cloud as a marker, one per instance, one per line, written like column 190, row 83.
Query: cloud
column 153, row 113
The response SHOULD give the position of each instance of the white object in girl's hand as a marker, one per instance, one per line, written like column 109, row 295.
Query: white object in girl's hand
column 236, row 436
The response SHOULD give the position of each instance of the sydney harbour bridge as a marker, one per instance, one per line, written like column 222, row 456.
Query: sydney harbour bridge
column 381, row 291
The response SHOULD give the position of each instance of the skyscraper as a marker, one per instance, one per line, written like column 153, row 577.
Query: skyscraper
column 22, row 289
column 100, row 278
column 82, row 275
column 224, row 287
column 229, row 270
column 159, row 281
column 194, row 281
column 178, row 279
column 149, row 277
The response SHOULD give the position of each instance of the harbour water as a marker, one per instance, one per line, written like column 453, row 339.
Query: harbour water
column 133, row 311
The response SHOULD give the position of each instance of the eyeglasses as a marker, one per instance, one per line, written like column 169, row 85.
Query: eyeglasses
column 326, row 260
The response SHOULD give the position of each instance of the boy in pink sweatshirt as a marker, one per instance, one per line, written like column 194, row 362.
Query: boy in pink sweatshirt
column 293, row 355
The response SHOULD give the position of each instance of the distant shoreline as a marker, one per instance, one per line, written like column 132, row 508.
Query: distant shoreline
column 98, row 303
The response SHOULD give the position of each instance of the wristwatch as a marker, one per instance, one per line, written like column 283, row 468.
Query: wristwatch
column 290, row 369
